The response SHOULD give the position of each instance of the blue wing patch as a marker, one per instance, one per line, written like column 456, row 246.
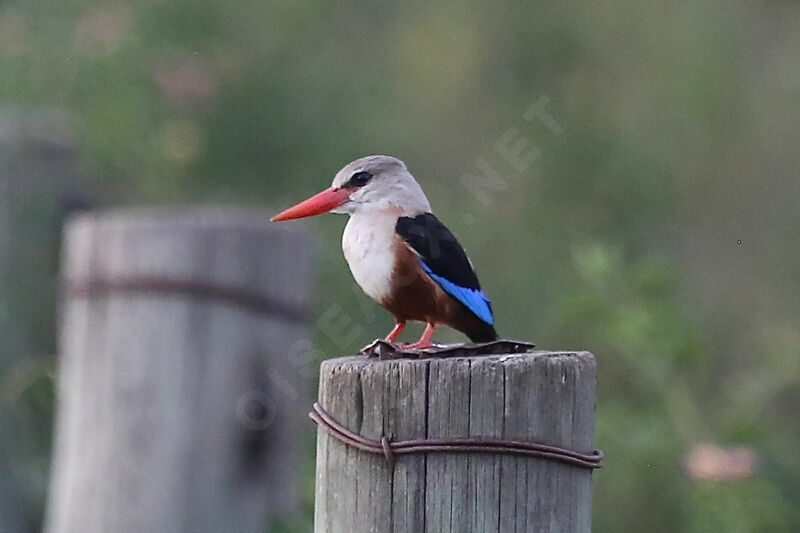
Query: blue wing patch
column 474, row 299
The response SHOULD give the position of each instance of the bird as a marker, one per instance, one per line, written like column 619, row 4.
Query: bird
column 400, row 254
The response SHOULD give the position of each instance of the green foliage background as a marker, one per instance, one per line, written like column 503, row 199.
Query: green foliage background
column 659, row 230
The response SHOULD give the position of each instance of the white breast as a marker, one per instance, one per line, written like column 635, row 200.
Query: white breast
column 367, row 243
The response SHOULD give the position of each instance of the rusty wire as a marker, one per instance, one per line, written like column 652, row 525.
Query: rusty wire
column 239, row 296
column 473, row 444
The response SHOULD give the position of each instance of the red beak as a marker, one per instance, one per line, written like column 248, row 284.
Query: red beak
column 319, row 203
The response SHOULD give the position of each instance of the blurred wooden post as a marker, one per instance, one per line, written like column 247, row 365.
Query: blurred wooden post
column 182, row 383
column 39, row 169
column 38, row 173
column 546, row 397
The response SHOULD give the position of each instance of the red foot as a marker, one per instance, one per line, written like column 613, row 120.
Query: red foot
column 419, row 345
column 425, row 340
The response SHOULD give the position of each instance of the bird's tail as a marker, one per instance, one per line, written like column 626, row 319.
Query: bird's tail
column 482, row 332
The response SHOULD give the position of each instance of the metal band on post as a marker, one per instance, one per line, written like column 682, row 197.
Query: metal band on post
column 389, row 449
column 252, row 301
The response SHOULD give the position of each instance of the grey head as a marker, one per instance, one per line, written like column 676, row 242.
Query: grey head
column 380, row 183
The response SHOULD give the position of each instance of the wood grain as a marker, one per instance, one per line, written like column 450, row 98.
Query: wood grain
column 546, row 397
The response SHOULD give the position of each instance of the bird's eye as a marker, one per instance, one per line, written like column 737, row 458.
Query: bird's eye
column 359, row 179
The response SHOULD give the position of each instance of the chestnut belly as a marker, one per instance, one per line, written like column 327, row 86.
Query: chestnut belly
column 416, row 296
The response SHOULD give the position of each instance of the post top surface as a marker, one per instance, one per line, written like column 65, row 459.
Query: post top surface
column 529, row 358
column 186, row 217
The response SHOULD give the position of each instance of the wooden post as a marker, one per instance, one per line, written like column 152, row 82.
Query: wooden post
column 39, row 176
column 181, row 387
column 545, row 397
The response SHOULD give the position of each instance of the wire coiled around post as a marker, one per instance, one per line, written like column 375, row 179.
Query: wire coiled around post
column 474, row 444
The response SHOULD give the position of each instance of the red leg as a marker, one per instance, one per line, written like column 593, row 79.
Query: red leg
column 425, row 340
column 395, row 332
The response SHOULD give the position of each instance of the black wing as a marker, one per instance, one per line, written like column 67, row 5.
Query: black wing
column 445, row 261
